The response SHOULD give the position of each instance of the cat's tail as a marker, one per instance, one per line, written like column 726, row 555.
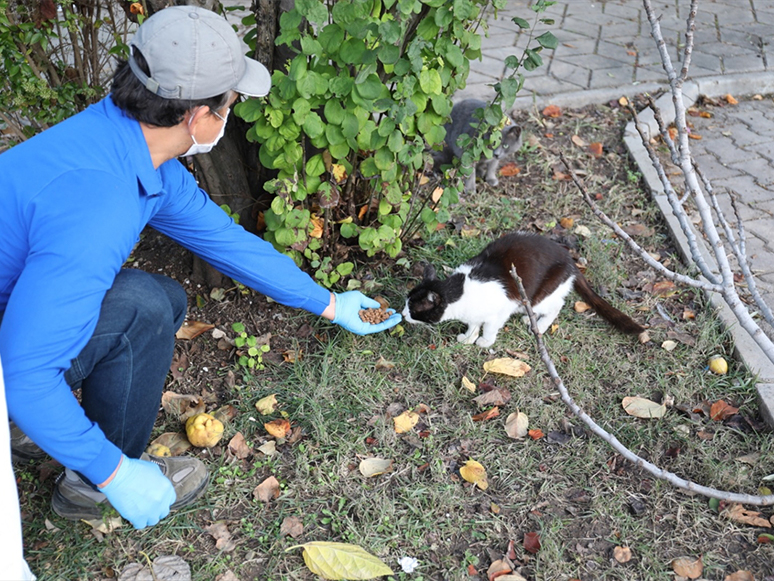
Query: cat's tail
column 619, row 320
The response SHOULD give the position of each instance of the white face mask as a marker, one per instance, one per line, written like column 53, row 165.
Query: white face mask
column 206, row 147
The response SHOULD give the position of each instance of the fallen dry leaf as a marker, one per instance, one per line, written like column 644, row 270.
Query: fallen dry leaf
column 487, row 415
column 342, row 561
column 552, row 111
column 317, row 226
column 567, row 223
column 531, row 542
column 664, row 288
column 517, row 425
column 740, row 576
column 267, row 405
column 688, row 567
column 720, row 410
column 643, row 408
column 622, row 554
column 475, row 473
column 370, row 467
column 383, row 365
column 175, row 442
column 436, row 194
column 669, row 345
column 536, row 434
column 595, row 149
column 192, row 329
column 467, row 384
column 292, row 355
column 338, row 171
column 182, row 406
column 223, row 541
column 509, row 170
column 581, row 307
column 238, row 446
column 291, row 526
column 498, row 569
column 737, row 513
column 269, row 448
column 164, row 568
column 579, row 141
column 267, row 490
column 694, row 136
column 731, row 100
column 507, row 366
column 498, row 397
column 405, row 421
column 278, row 428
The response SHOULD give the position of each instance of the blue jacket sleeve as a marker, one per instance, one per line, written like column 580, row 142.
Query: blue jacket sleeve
column 53, row 310
column 190, row 217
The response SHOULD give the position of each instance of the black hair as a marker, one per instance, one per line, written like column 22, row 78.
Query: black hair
column 131, row 96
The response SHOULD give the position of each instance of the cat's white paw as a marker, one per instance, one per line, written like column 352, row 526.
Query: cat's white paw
column 484, row 342
column 467, row 339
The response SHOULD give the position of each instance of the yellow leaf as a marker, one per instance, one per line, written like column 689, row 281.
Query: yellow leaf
column 623, row 101
column 405, row 421
column 423, row 180
column 474, row 472
column 643, row 408
column 731, row 100
column 507, row 366
column 437, row 193
column 669, row 345
column 467, row 384
column 374, row 466
column 581, row 307
column 737, row 513
column 622, row 554
column 317, row 226
column 278, row 428
column 338, row 171
column 517, row 425
column 266, row 405
column 342, row 561
column 269, row 448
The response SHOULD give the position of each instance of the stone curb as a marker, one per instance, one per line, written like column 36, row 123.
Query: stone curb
column 745, row 349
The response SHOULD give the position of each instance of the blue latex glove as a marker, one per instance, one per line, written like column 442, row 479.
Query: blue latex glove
column 140, row 492
column 348, row 306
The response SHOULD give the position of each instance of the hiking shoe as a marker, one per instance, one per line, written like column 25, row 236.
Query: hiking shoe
column 75, row 499
column 23, row 449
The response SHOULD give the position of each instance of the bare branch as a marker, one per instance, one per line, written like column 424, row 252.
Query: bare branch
column 612, row 440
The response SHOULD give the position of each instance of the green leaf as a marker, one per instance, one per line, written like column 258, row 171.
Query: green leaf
column 547, row 40
column 454, row 56
column 334, row 112
column 349, row 230
column 390, row 32
column 339, row 150
column 298, row 68
column 315, row 166
column 427, row 29
column 313, row 125
column 384, row 159
column 310, row 46
column 389, row 54
column 533, row 60
column 349, row 125
column 312, row 10
column 430, row 81
column 370, row 88
column 352, row 51
column 331, row 37
column 345, row 268
column 341, row 86
column 250, row 110
column 520, row 22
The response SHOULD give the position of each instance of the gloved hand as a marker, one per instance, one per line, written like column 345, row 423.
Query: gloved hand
column 140, row 492
column 347, row 315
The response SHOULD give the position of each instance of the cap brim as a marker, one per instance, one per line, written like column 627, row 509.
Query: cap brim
column 256, row 81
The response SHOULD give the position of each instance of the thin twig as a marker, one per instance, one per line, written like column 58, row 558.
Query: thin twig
column 612, row 440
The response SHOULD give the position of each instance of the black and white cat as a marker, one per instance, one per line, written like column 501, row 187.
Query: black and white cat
column 464, row 120
column 483, row 294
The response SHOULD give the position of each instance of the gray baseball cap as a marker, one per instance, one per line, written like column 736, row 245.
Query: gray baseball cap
column 193, row 54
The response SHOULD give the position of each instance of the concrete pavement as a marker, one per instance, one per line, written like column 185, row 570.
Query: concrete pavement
column 606, row 51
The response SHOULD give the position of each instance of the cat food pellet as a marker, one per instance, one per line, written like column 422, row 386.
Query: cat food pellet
column 373, row 316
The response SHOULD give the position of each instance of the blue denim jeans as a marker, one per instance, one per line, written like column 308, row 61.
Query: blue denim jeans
column 122, row 369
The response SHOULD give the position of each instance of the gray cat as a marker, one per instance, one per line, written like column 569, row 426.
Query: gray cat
column 464, row 120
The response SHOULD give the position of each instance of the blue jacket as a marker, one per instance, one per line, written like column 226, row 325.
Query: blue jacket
column 73, row 201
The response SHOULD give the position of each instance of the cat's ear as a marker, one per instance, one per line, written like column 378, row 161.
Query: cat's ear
column 513, row 128
column 429, row 273
column 431, row 297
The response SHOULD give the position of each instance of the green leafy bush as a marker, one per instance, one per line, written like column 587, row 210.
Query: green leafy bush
column 349, row 122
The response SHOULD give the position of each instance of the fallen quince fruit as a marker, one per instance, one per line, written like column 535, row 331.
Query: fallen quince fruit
column 718, row 365
column 203, row 430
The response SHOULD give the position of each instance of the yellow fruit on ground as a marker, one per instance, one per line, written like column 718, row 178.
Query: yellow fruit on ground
column 159, row 450
column 203, row 430
column 718, row 365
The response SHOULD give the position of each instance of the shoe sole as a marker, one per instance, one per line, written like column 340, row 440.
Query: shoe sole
column 66, row 509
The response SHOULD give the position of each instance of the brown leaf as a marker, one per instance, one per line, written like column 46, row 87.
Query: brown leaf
column 517, row 425
column 688, row 567
column 694, row 136
column 292, row 526
column 721, row 410
column 581, row 307
column 567, row 223
column 664, row 288
column 178, row 366
column 552, row 111
column 509, row 169
column 737, row 513
column 182, row 406
column 672, row 133
column 238, row 446
column 225, row 413
column 579, row 141
column 192, row 329
column 487, row 415
column 292, row 355
column 176, row 442
column 496, row 397
column 278, row 428
column 731, row 100
column 223, row 541
column 638, row 229
column 531, row 542
column 595, row 149
column 267, row 490
column 536, row 434
column 740, row 576
column 498, row 569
